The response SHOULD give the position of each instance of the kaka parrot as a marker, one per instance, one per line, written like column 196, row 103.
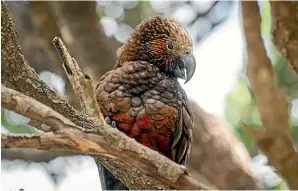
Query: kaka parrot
column 142, row 97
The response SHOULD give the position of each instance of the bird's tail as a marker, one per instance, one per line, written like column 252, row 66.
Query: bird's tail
column 108, row 181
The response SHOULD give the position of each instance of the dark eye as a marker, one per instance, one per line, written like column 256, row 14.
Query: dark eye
column 170, row 46
column 187, row 52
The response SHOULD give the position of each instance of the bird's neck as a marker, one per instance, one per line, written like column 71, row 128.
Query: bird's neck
column 130, row 52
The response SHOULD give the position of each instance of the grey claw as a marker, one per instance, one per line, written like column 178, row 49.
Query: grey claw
column 108, row 120
column 114, row 124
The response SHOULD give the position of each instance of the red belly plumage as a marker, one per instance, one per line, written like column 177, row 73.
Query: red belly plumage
column 152, row 131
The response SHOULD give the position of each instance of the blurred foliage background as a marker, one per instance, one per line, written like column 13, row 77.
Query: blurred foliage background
column 241, row 108
column 118, row 19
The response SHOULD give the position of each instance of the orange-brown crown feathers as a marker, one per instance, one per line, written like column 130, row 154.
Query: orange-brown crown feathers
column 160, row 41
column 152, row 38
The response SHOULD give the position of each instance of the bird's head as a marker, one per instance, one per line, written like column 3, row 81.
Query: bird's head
column 163, row 42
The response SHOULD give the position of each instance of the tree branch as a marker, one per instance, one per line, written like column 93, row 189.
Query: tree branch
column 81, row 83
column 107, row 142
column 33, row 109
column 285, row 29
column 275, row 140
column 43, row 141
column 35, row 155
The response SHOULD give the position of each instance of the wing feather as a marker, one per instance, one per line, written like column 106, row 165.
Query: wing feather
column 182, row 143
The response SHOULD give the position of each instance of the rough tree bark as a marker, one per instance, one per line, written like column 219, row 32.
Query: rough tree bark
column 285, row 29
column 275, row 138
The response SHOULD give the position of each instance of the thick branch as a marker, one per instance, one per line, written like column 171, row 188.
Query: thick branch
column 32, row 154
column 33, row 109
column 285, row 29
column 275, row 140
column 44, row 141
column 108, row 142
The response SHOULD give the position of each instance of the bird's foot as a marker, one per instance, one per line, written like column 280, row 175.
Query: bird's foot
column 111, row 122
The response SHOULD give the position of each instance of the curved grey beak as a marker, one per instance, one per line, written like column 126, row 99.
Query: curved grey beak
column 187, row 63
